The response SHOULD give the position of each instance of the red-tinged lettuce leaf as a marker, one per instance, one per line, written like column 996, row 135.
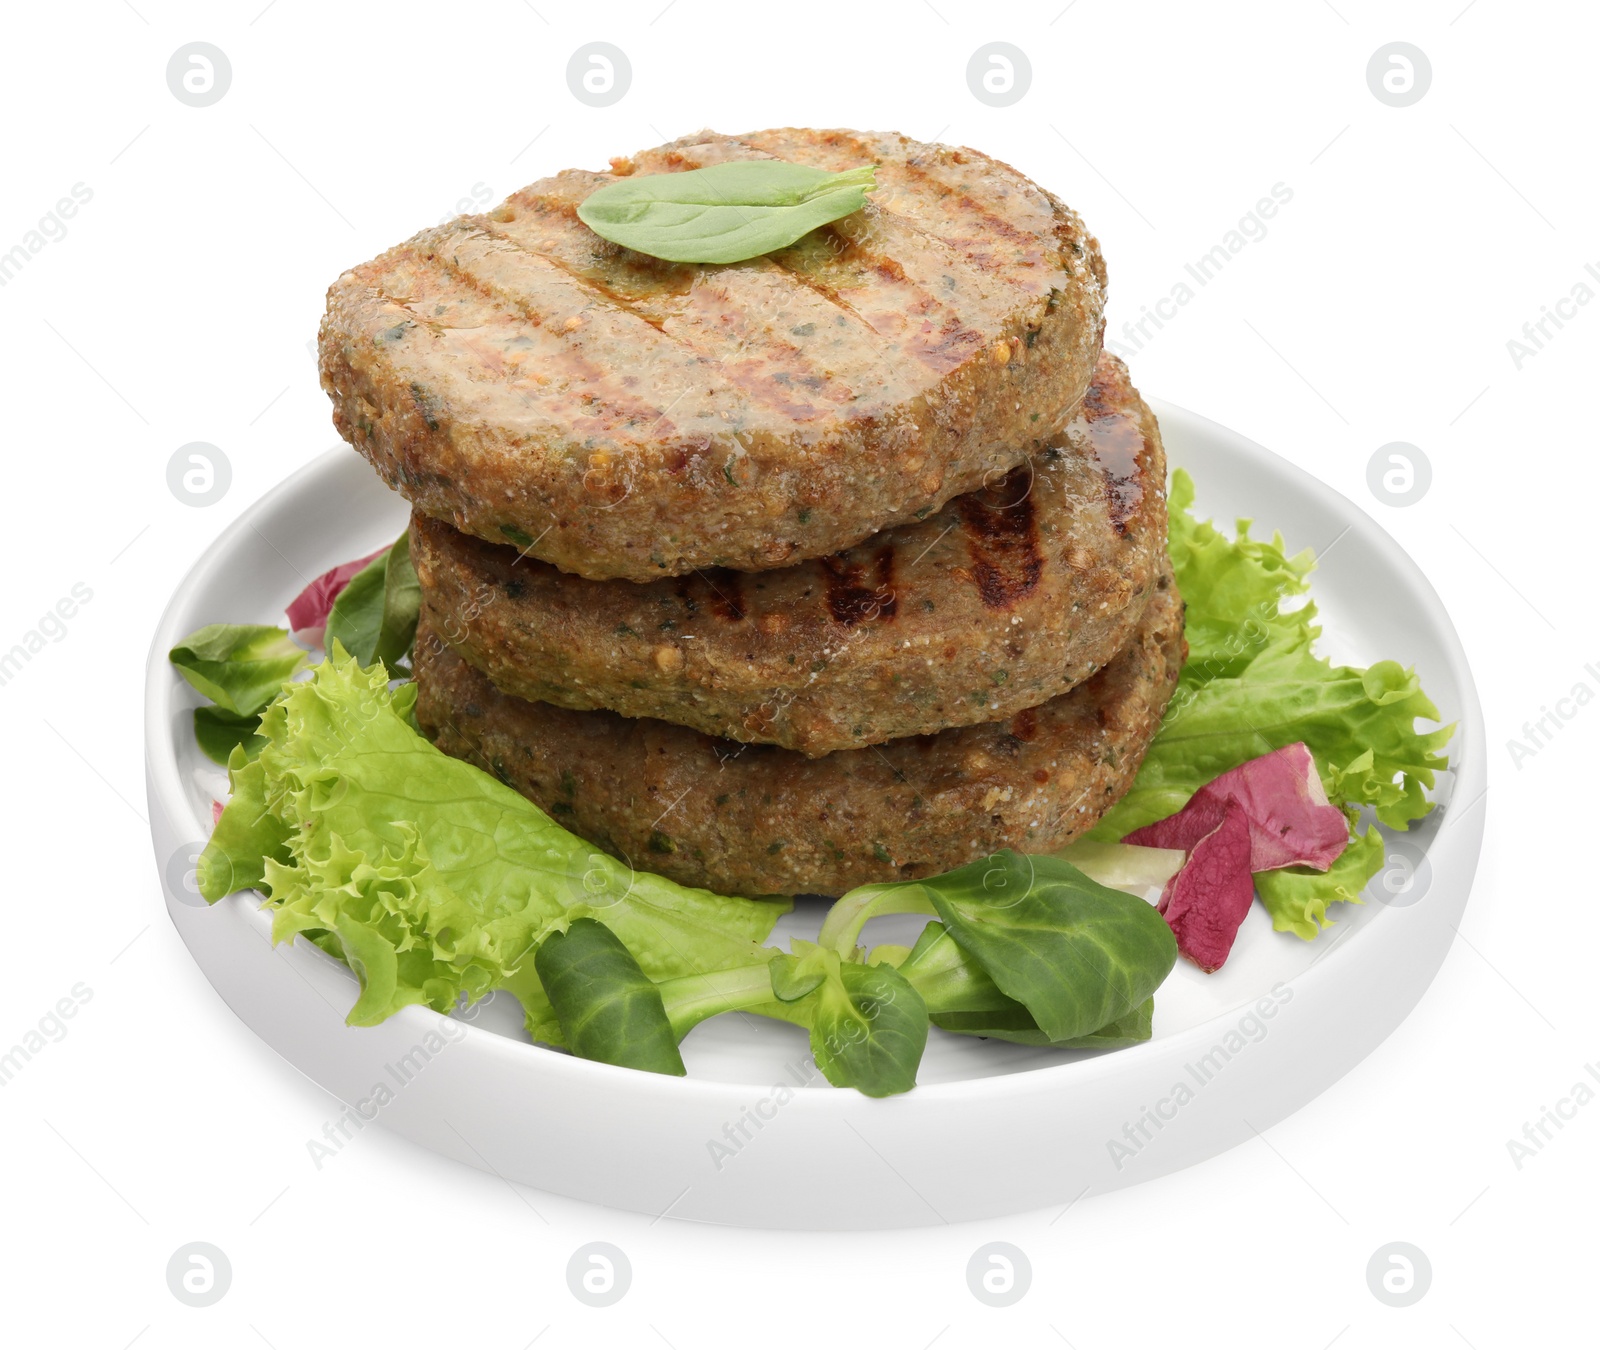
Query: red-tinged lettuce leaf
column 1207, row 900
column 1281, row 794
column 308, row 611
column 1253, row 683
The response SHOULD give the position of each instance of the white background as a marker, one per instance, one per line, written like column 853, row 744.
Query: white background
column 1378, row 308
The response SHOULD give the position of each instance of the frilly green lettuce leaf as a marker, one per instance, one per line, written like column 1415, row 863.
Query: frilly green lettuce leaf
column 435, row 882
column 1298, row 898
column 246, row 836
column 1252, row 683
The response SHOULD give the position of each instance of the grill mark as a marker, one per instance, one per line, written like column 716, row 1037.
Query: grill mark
column 991, row 223
column 849, row 598
column 940, row 346
column 588, row 381
column 825, row 292
column 821, row 288
column 779, row 369
column 1117, row 441
column 591, row 283
column 765, row 389
column 1003, row 540
column 726, row 590
column 984, row 223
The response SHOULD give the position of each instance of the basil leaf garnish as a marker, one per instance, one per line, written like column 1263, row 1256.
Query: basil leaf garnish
column 724, row 213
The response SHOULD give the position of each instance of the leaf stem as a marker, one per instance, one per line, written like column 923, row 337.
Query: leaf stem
column 852, row 911
column 690, row 999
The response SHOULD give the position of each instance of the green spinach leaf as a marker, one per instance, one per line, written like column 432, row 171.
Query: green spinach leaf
column 962, row 998
column 217, row 731
column 375, row 616
column 723, row 213
column 609, row 1009
column 239, row 667
column 868, row 1025
column 1076, row 954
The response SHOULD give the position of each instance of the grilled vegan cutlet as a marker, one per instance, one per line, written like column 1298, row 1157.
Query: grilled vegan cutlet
column 758, row 819
column 1001, row 601
column 623, row 417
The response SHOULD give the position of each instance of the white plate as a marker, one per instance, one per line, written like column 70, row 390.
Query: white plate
column 752, row 1136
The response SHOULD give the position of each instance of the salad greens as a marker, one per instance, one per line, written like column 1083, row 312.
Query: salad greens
column 217, row 731
column 375, row 616
column 1252, row 683
column 962, row 998
column 609, row 1009
column 437, row 884
column 868, row 1024
column 433, row 880
column 240, row 668
column 1075, row 954
column 1298, row 897
column 723, row 213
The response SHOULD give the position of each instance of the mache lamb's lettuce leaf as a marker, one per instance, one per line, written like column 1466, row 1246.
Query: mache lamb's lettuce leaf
column 435, row 882
column 308, row 611
column 868, row 1025
column 961, row 997
column 1252, row 683
column 374, row 616
column 238, row 666
column 217, row 731
column 609, row 1009
column 1075, row 954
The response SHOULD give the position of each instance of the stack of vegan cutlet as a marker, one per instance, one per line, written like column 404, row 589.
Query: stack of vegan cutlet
column 842, row 564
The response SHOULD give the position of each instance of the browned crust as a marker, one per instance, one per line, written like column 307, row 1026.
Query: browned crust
column 626, row 417
column 1001, row 601
column 751, row 820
